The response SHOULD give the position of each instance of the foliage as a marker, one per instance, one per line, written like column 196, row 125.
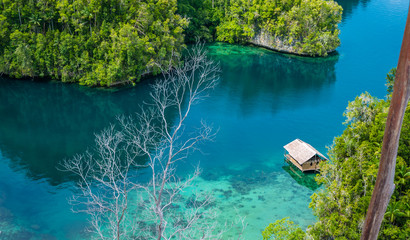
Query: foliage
column 92, row 42
column 113, row 41
column 204, row 17
column 283, row 229
column 299, row 26
column 199, row 14
column 350, row 176
column 390, row 80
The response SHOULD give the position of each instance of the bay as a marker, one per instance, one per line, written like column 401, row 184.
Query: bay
column 263, row 101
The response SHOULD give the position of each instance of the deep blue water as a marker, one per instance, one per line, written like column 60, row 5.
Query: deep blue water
column 263, row 101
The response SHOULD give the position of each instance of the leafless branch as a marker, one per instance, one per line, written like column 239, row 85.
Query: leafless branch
column 159, row 136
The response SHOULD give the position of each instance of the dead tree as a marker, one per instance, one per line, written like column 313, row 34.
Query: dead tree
column 384, row 186
column 104, row 185
column 160, row 136
column 172, row 101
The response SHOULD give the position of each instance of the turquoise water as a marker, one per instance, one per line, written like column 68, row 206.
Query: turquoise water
column 263, row 101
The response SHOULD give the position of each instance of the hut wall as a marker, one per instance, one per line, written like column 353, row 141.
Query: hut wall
column 307, row 167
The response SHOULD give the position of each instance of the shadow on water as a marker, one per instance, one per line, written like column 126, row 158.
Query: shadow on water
column 260, row 75
column 306, row 179
column 349, row 5
column 42, row 123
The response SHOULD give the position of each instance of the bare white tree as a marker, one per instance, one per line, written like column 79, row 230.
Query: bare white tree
column 104, row 185
column 159, row 136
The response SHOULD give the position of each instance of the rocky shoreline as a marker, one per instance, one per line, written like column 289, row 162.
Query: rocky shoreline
column 267, row 40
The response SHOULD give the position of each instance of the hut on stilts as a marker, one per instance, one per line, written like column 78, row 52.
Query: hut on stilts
column 303, row 155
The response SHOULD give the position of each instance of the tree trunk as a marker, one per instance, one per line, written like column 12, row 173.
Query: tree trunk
column 384, row 186
column 19, row 15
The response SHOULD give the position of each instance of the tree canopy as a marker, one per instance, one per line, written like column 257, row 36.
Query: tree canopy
column 108, row 42
column 307, row 27
column 92, row 42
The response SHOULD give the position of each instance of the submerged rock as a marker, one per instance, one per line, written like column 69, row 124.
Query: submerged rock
column 262, row 198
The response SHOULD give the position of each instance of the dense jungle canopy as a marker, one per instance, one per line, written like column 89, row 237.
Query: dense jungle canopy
column 104, row 43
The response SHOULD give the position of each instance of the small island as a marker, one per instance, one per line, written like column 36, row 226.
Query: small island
column 302, row 27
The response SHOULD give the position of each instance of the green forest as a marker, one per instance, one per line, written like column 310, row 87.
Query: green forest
column 307, row 27
column 350, row 175
column 90, row 42
column 109, row 42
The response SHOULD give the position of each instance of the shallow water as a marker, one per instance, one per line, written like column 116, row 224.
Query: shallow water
column 264, row 100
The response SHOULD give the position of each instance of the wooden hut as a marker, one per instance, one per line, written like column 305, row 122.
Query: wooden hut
column 303, row 156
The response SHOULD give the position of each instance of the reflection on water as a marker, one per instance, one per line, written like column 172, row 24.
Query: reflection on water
column 257, row 74
column 349, row 5
column 306, row 179
column 43, row 123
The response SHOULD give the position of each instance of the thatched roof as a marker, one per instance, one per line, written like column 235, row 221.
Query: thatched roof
column 301, row 151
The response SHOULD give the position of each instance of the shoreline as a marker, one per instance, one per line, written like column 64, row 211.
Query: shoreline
column 305, row 55
column 149, row 74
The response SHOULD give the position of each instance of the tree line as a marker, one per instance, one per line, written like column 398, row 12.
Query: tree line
column 108, row 42
column 91, row 42
column 295, row 26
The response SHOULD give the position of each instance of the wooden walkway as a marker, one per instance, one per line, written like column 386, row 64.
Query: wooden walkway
column 294, row 162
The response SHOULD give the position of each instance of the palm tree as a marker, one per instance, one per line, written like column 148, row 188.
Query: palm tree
column 403, row 174
column 35, row 21
column 393, row 211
